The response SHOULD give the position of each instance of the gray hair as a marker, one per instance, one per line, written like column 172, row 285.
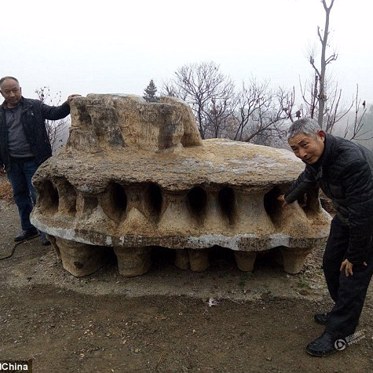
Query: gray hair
column 307, row 126
column 2, row 80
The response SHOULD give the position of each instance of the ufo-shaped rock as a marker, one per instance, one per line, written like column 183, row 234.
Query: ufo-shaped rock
column 135, row 175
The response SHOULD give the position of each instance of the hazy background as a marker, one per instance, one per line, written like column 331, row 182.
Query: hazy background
column 118, row 46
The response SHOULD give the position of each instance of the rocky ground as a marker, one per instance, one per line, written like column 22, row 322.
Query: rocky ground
column 169, row 320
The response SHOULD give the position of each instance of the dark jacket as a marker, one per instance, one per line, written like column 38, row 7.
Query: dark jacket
column 345, row 174
column 33, row 116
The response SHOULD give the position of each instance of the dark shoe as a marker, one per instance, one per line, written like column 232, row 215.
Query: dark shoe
column 26, row 235
column 45, row 241
column 325, row 345
column 321, row 318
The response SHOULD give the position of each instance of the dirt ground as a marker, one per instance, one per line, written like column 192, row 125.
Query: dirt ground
column 169, row 320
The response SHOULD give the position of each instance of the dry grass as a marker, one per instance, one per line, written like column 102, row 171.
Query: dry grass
column 6, row 193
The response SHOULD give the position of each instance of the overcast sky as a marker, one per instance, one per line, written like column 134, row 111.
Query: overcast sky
column 117, row 46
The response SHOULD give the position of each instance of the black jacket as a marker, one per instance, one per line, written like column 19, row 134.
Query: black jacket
column 33, row 116
column 345, row 174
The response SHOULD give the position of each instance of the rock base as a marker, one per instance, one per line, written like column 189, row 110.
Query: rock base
column 81, row 259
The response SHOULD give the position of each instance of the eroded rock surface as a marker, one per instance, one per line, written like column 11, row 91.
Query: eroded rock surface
column 135, row 175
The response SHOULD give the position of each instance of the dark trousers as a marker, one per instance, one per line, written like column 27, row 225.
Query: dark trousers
column 349, row 292
column 20, row 174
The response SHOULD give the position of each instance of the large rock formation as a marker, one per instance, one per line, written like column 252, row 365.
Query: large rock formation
column 135, row 175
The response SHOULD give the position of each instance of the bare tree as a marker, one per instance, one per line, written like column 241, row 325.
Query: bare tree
column 323, row 98
column 56, row 128
column 248, row 101
column 255, row 114
column 260, row 113
column 207, row 91
column 333, row 110
column 170, row 89
column 320, row 72
column 361, row 128
column 219, row 118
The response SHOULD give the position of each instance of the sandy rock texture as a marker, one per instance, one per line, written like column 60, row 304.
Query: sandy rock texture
column 136, row 175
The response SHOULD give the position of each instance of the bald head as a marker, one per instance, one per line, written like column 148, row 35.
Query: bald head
column 10, row 90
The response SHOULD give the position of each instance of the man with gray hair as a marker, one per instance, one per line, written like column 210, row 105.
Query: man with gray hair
column 344, row 172
column 24, row 145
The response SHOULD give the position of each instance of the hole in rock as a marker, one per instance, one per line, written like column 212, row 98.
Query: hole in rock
column 114, row 201
column 49, row 198
column 197, row 201
column 272, row 205
column 310, row 201
column 227, row 201
column 154, row 200
column 67, row 195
